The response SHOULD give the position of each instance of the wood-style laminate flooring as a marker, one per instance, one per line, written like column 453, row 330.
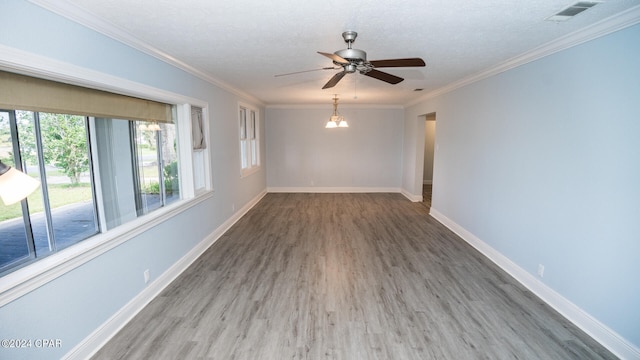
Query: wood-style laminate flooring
column 426, row 194
column 346, row 276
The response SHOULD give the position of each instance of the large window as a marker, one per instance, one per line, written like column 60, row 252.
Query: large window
column 98, row 170
column 131, row 166
column 249, row 140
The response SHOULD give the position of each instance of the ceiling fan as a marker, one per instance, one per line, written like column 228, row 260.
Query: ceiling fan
column 352, row 60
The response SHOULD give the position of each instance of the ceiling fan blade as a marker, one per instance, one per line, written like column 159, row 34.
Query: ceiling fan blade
column 305, row 71
column 334, row 57
column 386, row 77
column 408, row 62
column 334, row 80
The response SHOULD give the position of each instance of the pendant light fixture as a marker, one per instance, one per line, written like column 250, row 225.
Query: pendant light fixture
column 15, row 185
column 336, row 120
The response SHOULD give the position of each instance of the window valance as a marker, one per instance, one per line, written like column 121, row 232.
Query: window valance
column 21, row 92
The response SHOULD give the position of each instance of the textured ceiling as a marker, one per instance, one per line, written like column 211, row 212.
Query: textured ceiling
column 245, row 43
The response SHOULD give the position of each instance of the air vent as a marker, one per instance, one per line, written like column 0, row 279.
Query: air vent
column 573, row 10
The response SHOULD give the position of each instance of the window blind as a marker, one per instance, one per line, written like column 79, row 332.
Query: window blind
column 197, row 129
column 21, row 92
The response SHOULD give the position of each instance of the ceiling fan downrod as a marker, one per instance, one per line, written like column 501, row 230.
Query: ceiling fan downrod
column 349, row 37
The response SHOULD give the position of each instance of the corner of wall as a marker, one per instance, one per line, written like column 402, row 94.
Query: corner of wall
column 410, row 196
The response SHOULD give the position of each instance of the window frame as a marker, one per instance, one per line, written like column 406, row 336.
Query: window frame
column 33, row 275
column 51, row 229
column 249, row 139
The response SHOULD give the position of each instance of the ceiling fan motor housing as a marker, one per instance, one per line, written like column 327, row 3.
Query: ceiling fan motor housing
column 353, row 55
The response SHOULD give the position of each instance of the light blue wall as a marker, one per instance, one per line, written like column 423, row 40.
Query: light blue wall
column 301, row 152
column 542, row 163
column 74, row 305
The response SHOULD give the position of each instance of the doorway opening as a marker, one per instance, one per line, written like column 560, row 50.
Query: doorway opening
column 429, row 155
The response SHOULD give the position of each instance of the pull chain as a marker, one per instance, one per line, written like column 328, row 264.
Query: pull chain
column 355, row 86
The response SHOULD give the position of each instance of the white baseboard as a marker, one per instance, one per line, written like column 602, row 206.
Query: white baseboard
column 92, row 343
column 318, row 189
column 412, row 197
column 597, row 330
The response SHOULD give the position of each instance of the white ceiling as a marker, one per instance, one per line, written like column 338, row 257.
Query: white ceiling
column 244, row 43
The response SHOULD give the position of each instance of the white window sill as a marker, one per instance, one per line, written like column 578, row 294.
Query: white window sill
column 40, row 272
column 249, row 171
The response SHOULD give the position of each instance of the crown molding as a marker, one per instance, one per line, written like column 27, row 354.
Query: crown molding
column 329, row 105
column 87, row 19
column 604, row 27
column 30, row 64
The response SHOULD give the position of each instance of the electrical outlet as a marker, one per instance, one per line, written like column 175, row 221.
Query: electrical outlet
column 233, row 207
column 540, row 270
column 146, row 276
